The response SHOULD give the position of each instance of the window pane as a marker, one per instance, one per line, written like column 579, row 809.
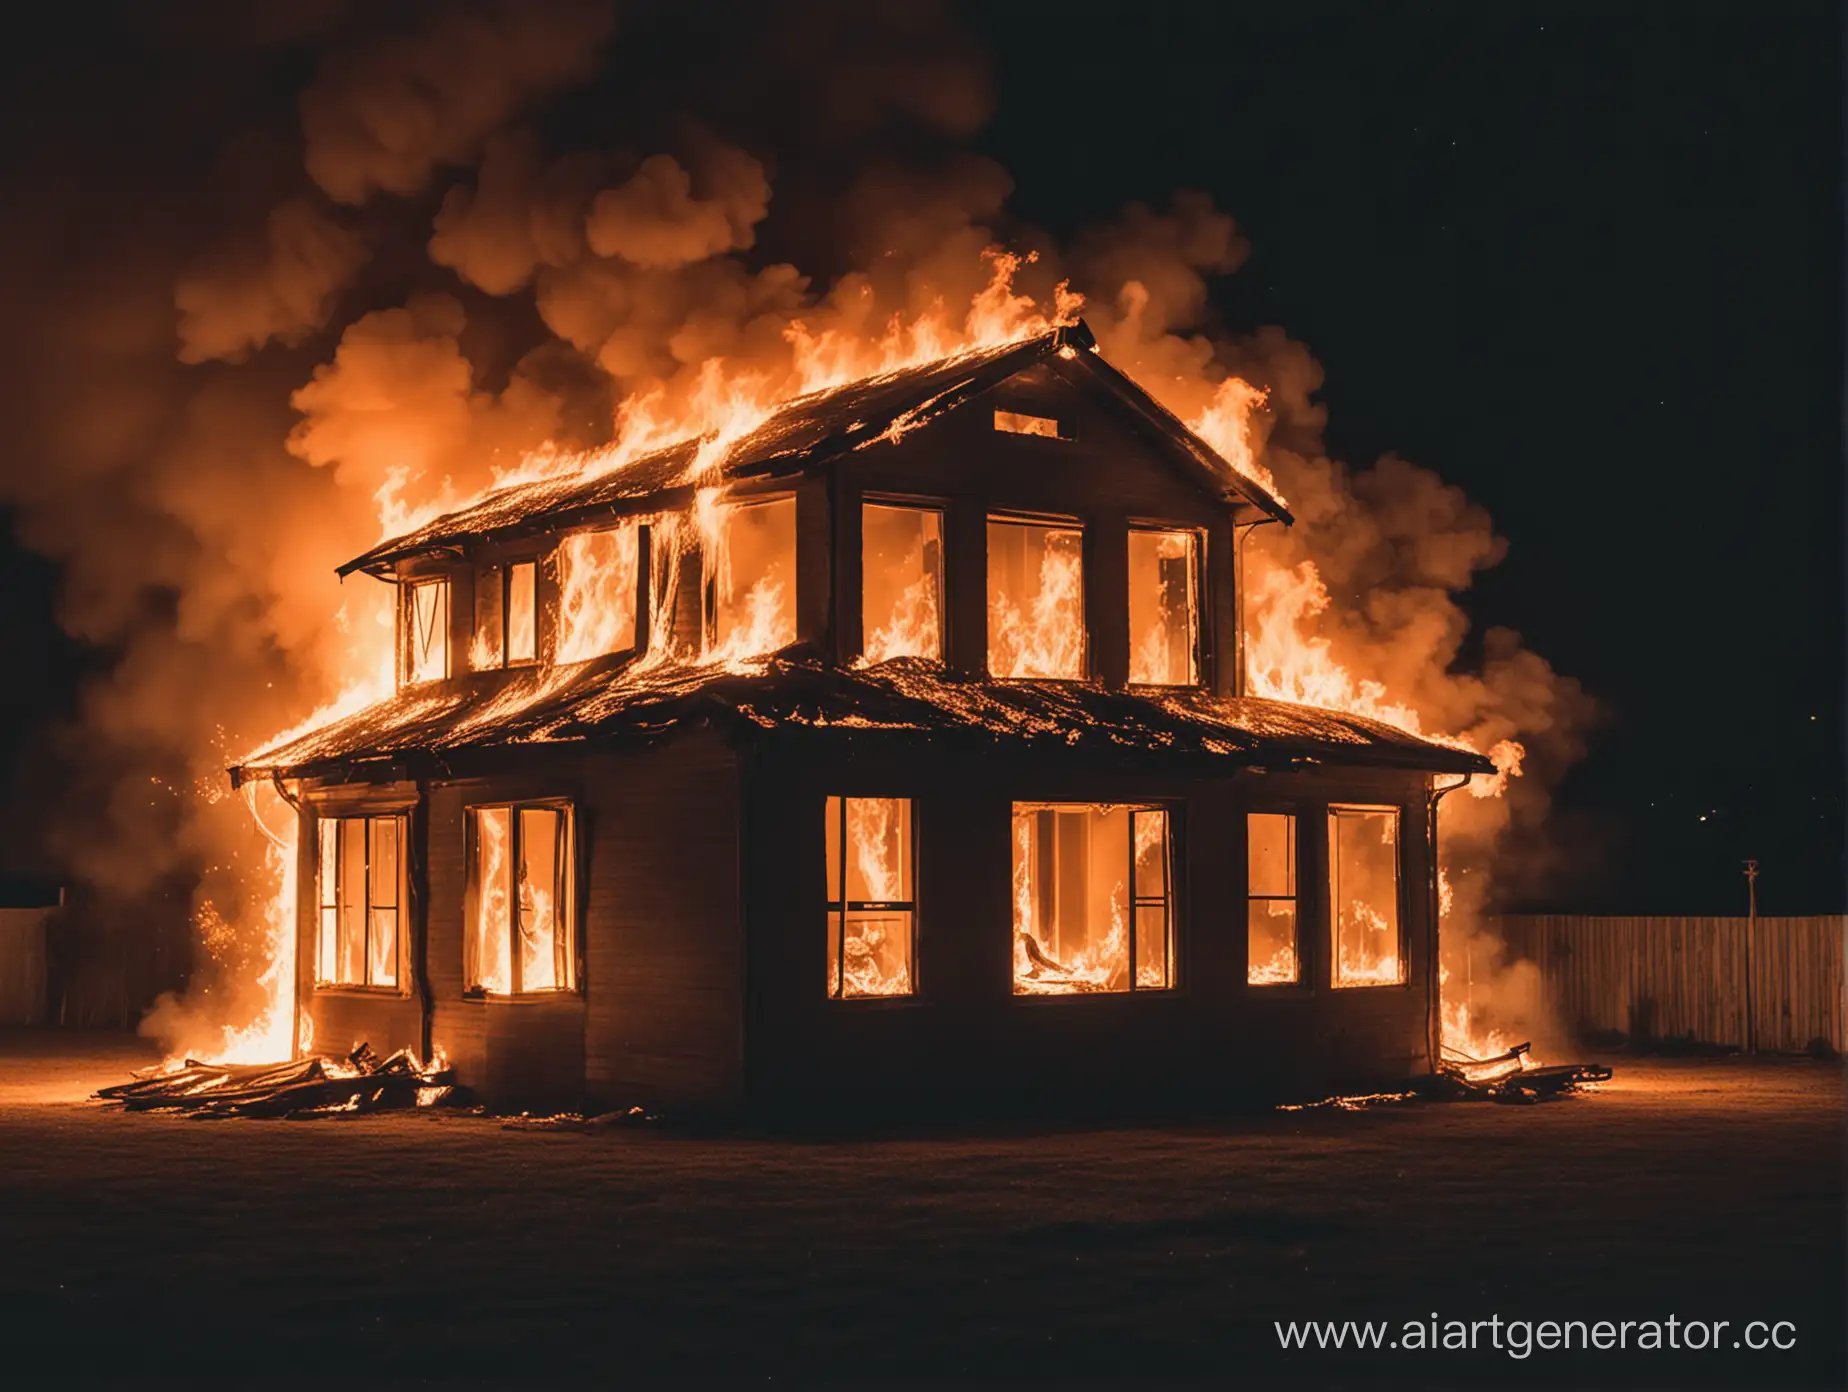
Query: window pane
column 901, row 565
column 1363, row 872
column 327, row 895
column 351, row 956
column 1271, row 942
column 1270, row 847
column 488, row 650
column 875, row 958
column 596, row 592
column 384, row 832
column 1163, row 608
column 833, row 836
column 754, row 579
column 426, row 630
column 492, row 967
column 326, row 962
column 542, row 943
column 523, row 612
column 1072, row 898
column 384, row 964
column 1019, row 423
column 1035, row 600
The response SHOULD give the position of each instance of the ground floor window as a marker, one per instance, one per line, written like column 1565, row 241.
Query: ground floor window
column 872, row 909
column 1363, row 896
column 358, row 891
column 1092, row 906
column 1270, row 905
column 520, row 913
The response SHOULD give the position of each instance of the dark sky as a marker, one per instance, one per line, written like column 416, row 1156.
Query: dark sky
column 1585, row 262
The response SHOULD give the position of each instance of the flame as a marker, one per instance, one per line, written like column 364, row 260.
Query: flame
column 1047, row 639
column 494, row 966
column 1228, row 424
column 596, row 593
column 877, row 950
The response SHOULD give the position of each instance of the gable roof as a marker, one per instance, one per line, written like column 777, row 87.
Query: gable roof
column 812, row 430
column 613, row 701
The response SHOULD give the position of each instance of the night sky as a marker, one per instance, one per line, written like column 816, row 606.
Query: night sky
column 1584, row 262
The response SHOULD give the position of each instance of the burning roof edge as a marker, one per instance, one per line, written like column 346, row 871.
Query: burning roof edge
column 556, row 500
column 617, row 703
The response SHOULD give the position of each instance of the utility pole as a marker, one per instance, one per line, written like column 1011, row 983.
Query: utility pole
column 1751, row 943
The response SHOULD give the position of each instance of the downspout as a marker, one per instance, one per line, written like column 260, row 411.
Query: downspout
column 1434, row 994
column 1238, row 596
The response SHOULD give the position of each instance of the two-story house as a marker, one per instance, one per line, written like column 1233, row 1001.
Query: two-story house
column 897, row 753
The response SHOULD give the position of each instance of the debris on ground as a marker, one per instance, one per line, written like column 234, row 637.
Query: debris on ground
column 576, row 1121
column 305, row 1088
column 1510, row 1077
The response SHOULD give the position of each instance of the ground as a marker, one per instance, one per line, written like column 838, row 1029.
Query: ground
column 417, row 1245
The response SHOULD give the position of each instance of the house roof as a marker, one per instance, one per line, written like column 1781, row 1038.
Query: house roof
column 812, row 430
column 616, row 702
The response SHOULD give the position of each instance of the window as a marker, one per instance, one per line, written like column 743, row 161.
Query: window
column 1035, row 600
column 901, row 582
column 1363, row 894
column 871, row 907
column 598, row 593
column 506, row 617
column 1270, row 908
column 520, row 915
column 1164, row 607
column 751, row 580
column 423, row 631
column 1091, row 898
column 1019, row 423
column 359, row 890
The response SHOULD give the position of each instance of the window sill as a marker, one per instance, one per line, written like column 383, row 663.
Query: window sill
column 1368, row 985
column 328, row 988
column 874, row 1002
column 523, row 998
column 1145, row 993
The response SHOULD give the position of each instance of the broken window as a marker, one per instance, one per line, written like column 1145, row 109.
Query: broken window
column 1164, row 608
column 598, row 592
column 1020, row 423
column 1092, row 907
column 901, row 579
column 423, row 631
column 506, row 616
column 1363, row 894
column 1270, row 889
column 1035, row 600
column 752, row 578
column 358, row 893
column 871, row 903
column 520, row 915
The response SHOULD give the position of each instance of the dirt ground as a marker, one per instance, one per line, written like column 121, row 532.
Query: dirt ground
column 452, row 1248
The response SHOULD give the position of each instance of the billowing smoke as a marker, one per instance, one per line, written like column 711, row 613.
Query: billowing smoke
column 394, row 283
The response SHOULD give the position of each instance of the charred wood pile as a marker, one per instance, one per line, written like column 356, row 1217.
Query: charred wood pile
column 1509, row 1077
column 311, row 1087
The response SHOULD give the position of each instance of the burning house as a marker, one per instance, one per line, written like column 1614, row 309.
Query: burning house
column 896, row 747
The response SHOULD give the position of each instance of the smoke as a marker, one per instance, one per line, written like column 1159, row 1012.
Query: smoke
column 396, row 283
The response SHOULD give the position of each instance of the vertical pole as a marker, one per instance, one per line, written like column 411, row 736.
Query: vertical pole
column 1751, row 937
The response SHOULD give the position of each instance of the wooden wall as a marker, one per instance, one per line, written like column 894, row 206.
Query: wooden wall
column 1663, row 978
column 22, row 966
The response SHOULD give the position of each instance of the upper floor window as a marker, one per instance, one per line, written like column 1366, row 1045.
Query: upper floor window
column 751, row 578
column 598, row 593
column 358, row 891
column 1270, row 907
column 1164, row 608
column 519, row 920
column 871, row 903
column 1363, row 895
column 1091, row 898
column 506, row 616
column 423, row 631
column 1020, row 423
column 1035, row 599
column 901, row 577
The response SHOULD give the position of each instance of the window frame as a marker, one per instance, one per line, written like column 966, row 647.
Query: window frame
column 502, row 573
column 340, row 821
column 644, row 586
column 837, row 974
column 1172, row 811
column 1302, row 982
column 1333, row 936
column 573, row 928
column 1064, row 522
column 407, row 609
column 1198, row 571
column 710, row 641
column 941, row 508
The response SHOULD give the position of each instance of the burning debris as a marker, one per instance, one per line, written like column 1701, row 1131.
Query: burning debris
column 310, row 1087
column 1511, row 1077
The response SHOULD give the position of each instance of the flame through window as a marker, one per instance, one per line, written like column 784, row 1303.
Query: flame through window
column 872, row 912
column 1091, row 899
column 1270, row 911
column 520, row 917
column 901, row 582
column 423, row 624
column 598, row 589
column 1164, row 607
column 1035, row 600
column 358, row 893
column 1363, row 894
column 506, row 616
column 752, row 578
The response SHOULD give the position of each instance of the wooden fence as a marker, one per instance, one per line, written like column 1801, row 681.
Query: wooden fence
column 1677, row 978
column 22, row 966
